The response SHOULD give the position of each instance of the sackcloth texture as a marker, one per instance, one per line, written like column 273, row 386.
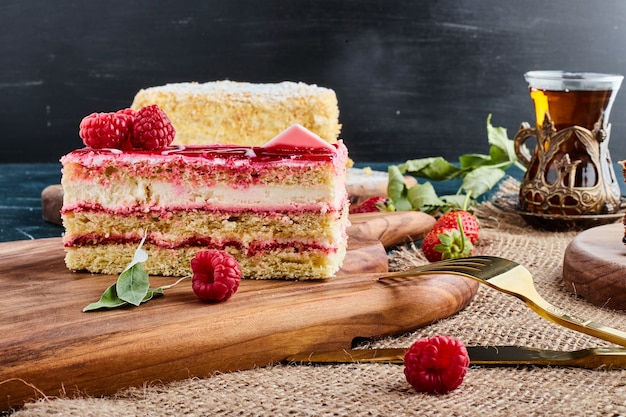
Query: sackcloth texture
column 492, row 318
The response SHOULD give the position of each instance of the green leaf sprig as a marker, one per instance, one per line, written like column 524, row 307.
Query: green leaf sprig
column 478, row 174
column 132, row 286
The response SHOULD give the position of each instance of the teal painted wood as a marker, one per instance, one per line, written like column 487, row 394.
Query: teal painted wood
column 20, row 200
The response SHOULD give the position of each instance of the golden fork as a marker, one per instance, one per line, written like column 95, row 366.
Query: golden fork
column 513, row 279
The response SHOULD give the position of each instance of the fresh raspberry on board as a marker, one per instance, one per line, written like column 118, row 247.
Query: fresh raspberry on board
column 105, row 130
column 216, row 275
column 436, row 365
column 152, row 129
column 441, row 244
column 372, row 204
column 450, row 220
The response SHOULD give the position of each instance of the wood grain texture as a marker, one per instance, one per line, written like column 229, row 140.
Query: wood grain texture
column 594, row 266
column 49, row 343
column 393, row 228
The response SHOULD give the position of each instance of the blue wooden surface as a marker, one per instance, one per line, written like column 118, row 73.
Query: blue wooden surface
column 20, row 200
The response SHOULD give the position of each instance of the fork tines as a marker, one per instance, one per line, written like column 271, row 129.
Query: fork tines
column 480, row 267
column 473, row 263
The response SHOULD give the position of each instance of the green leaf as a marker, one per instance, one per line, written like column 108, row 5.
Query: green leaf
column 423, row 197
column 415, row 165
column 153, row 293
column 479, row 173
column 436, row 169
column 472, row 160
column 133, row 284
column 457, row 201
column 499, row 157
column 481, row 180
column 397, row 190
column 109, row 299
column 498, row 137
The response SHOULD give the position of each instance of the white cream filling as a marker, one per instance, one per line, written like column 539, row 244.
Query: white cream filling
column 159, row 194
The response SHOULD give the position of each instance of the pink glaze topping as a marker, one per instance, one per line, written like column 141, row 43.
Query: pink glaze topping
column 297, row 136
column 238, row 166
column 254, row 154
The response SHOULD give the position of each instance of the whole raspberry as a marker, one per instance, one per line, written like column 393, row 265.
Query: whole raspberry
column 127, row 145
column 128, row 111
column 216, row 275
column 436, row 365
column 106, row 130
column 152, row 129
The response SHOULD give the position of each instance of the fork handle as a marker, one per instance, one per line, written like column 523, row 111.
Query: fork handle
column 558, row 316
column 510, row 283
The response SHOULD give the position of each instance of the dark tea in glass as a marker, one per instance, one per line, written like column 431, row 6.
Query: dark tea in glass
column 569, row 171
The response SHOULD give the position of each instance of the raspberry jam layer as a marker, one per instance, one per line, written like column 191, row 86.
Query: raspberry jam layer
column 214, row 152
column 253, row 248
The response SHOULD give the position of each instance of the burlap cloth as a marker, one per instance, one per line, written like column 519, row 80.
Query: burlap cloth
column 381, row 390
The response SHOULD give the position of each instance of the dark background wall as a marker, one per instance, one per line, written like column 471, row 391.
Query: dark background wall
column 413, row 78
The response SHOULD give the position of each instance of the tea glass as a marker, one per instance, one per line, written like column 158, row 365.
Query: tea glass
column 569, row 172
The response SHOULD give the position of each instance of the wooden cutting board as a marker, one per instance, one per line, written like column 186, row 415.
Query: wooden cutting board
column 594, row 266
column 48, row 346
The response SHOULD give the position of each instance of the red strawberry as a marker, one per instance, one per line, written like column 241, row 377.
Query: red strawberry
column 468, row 221
column 105, row 130
column 372, row 204
column 441, row 244
column 436, row 365
column 216, row 275
column 152, row 129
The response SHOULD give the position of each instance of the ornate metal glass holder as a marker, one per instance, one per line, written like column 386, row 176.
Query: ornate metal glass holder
column 570, row 172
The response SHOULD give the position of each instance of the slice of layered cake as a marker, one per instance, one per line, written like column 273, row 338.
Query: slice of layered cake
column 280, row 209
column 228, row 112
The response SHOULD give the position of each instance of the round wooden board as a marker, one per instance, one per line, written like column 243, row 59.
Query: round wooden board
column 594, row 266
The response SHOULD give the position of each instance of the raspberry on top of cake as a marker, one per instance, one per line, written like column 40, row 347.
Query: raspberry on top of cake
column 281, row 210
